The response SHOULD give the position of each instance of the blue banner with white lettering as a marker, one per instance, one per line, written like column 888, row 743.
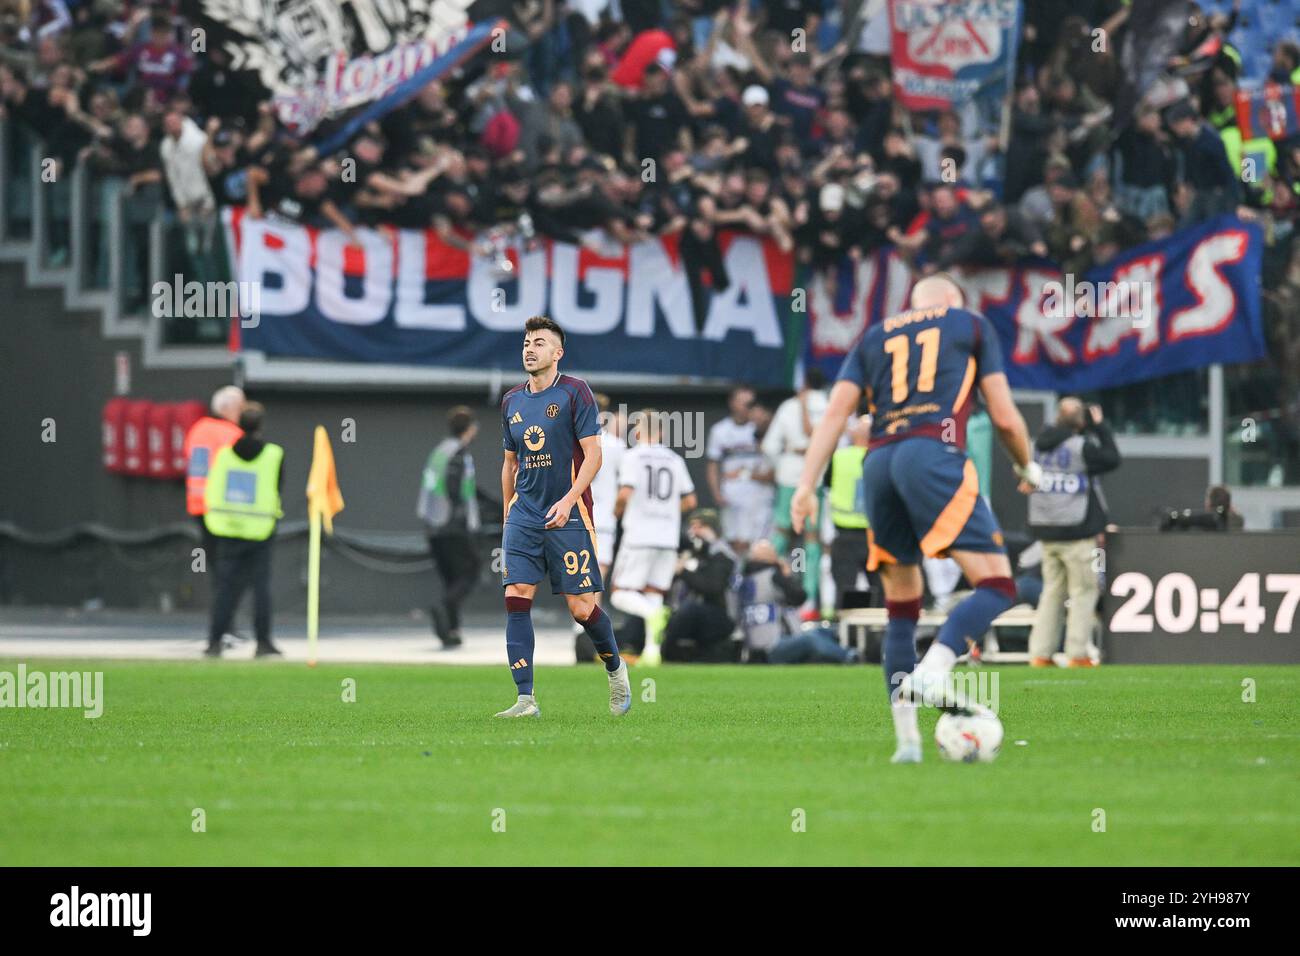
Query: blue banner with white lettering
column 408, row 297
column 1172, row 305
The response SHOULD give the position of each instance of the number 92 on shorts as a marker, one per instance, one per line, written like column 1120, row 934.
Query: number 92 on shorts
column 567, row 554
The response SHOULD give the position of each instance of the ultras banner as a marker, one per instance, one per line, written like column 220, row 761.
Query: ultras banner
column 1173, row 305
column 321, row 60
column 406, row 297
column 944, row 53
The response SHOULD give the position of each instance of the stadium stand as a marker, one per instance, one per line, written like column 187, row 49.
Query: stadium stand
column 809, row 149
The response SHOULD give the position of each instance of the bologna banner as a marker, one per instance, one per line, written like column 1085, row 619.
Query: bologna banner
column 945, row 53
column 409, row 298
column 1182, row 303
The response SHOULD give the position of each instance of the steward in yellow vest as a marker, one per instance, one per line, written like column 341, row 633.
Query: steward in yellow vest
column 242, row 502
column 848, row 513
column 242, row 498
column 847, row 508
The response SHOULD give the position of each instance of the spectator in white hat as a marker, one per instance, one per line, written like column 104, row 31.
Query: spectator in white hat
column 759, row 128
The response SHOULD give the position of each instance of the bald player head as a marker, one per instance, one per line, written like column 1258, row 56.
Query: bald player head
column 937, row 291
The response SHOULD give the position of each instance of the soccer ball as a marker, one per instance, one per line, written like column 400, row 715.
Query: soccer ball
column 969, row 737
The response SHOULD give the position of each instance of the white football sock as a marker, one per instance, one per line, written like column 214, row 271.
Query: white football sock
column 636, row 603
column 940, row 658
column 905, row 727
column 931, row 681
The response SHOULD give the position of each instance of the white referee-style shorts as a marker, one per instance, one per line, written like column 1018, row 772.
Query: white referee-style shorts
column 636, row 569
column 747, row 522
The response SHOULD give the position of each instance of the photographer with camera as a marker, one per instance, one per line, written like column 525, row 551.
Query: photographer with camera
column 700, row 626
column 1067, row 511
column 1218, row 515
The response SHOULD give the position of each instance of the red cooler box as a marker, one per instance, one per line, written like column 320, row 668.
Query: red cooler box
column 135, row 428
column 112, row 428
column 158, row 441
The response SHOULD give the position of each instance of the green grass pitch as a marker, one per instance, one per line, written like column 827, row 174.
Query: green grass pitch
column 715, row 771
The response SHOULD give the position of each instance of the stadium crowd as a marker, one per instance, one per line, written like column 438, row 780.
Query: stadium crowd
column 643, row 118
column 706, row 117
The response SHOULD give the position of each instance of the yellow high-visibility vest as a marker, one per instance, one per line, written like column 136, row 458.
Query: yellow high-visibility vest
column 242, row 498
column 848, row 508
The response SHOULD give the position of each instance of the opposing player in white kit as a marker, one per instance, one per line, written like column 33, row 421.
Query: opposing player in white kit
column 604, row 492
column 604, row 487
column 654, row 490
column 739, row 474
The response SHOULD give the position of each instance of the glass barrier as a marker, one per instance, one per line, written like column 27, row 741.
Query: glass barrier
column 95, row 259
column 1175, row 405
column 136, row 210
column 192, row 252
column 55, row 197
column 1261, row 426
column 18, row 181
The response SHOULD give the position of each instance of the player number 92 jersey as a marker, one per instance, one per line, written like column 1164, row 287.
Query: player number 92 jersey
column 919, row 369
column 543, row 429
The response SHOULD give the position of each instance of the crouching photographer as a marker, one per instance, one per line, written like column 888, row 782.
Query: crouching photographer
column 1218, row 515
column 700, row 627
column 770, row 597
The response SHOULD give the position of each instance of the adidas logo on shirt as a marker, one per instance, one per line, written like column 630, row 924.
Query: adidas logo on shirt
column 517, row 420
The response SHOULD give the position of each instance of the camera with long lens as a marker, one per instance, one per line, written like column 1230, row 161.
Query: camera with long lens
column 1215, row 519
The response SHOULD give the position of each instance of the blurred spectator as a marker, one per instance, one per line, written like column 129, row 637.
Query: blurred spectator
column 770, row 596
column 1144, row 166
column 181, row 151
column 205, row 438
column 1067, row 511
column 950, row 221
column 218, row 91
column 700, row 626
column 738, row 475
column 549, row 126
column 657, row 120
column 1074, row 224
column 1218, row 498
column 1003, row 237
column 784, row 445
column 849, row 549
column 1203, row 166
column 448, row 506
column 798, row 100
column 1027, row 152
column 160, row 66
column 831, row 230
column 759, row 128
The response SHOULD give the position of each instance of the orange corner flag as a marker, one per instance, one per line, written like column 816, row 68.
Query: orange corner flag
column 323, row 495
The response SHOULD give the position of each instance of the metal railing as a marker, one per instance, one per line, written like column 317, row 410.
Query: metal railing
column 79, row 229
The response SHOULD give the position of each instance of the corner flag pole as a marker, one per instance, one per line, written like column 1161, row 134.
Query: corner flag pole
column 324, row 501
column 313, row 587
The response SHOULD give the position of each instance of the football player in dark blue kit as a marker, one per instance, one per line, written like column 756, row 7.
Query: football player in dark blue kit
column 551, row 439
column 919, row 371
